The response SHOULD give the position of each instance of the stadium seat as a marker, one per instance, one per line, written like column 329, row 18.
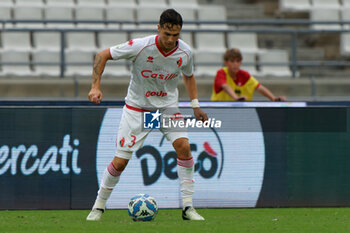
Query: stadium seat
column 184, row 3
column 212, row 13
column 188, row 14
column 89, row 13
column 345, row 16
column 83, row 41
column 207, row 63
column 58, row 13
column 346, row 3
column 295, row 5
column 122, row 3
column 29, row 3
column 208, row 41
column 153, row 3
column 116, row 68
column 246, row 42
column 109, row 39
column 187, row 37
column 67, row 3
column 345, row 44
column 46, row 57
column 28, row 13
column 92, row 3
column 12, row 56
column 8, row 3
column 326, row 4
column 249, row 63
column 81, row 63
column 14, row 40
column 275, row 56
column 148, row 14
column 134, row 35
column 5, row 12
column 47, row 40
column 120, row 13
column 324, row 14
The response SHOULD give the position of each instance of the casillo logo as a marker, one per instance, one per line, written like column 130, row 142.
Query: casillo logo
column 28, row 160
column 150, row 74
column 155, row 93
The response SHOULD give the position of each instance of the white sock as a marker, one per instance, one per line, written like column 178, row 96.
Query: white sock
column 109, row 180
column 185, row 171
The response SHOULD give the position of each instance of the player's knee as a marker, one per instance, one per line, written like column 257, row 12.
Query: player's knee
column 120, row 163
column 182, row 148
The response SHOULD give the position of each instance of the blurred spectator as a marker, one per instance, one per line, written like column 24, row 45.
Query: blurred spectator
column 234, row 84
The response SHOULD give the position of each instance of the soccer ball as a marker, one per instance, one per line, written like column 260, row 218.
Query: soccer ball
column 143, row 207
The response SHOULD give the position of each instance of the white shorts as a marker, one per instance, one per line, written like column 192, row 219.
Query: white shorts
column 131, row 134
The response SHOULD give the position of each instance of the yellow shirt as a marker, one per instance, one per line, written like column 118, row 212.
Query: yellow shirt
column 244, row 85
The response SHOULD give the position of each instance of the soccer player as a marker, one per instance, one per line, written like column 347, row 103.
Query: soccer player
column 232, row 83
column 157, row 63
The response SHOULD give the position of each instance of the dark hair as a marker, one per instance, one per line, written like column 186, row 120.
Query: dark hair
column 231, row 54
column 171, row 17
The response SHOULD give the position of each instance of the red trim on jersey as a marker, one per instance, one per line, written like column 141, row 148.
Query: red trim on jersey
column 242, row 77
column 185, row 159
column 220, row 79
column 110, row 54
column 135, row 109
column 162, row 52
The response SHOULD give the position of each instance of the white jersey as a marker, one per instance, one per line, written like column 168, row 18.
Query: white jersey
column 154, row 74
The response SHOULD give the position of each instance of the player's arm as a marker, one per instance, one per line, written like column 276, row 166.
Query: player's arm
column 95, row 94
column 267, row 93
column 231, row 93
column 191, row 87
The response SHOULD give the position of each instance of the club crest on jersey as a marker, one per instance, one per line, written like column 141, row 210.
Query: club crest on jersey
column 179, row 62
column 150, row 59
column 130, row 42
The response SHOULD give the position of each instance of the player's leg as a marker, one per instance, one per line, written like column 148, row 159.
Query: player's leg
column 130, row 138
column 185, row 170
column 109, row 180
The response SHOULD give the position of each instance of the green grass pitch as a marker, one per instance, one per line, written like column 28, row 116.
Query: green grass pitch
column 284, row 220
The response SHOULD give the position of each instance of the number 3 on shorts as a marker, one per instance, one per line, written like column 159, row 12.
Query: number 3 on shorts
column 132, row 141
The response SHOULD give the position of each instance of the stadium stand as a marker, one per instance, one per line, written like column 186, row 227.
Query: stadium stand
column 29, row 3
column 45, row 57
column 121, row 13
column 153, row 3
column 90, row 13
column 295, row 5
column 59, row 12
column 248, row 42
column 329, row 4
column 26, row 12
column 275, row 56
column 325, row 14
column 79, row 62
column 122, row 3
column 46, row 40
column 85, row 39
column 249, row 63
column 10, row 57
column 207, row 62
column 192, row 4
column 16, row 40
column 67, row 3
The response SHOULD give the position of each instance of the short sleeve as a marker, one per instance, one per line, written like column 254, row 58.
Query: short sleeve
column 127, row 50
column 188, row 68
column 220, row 79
